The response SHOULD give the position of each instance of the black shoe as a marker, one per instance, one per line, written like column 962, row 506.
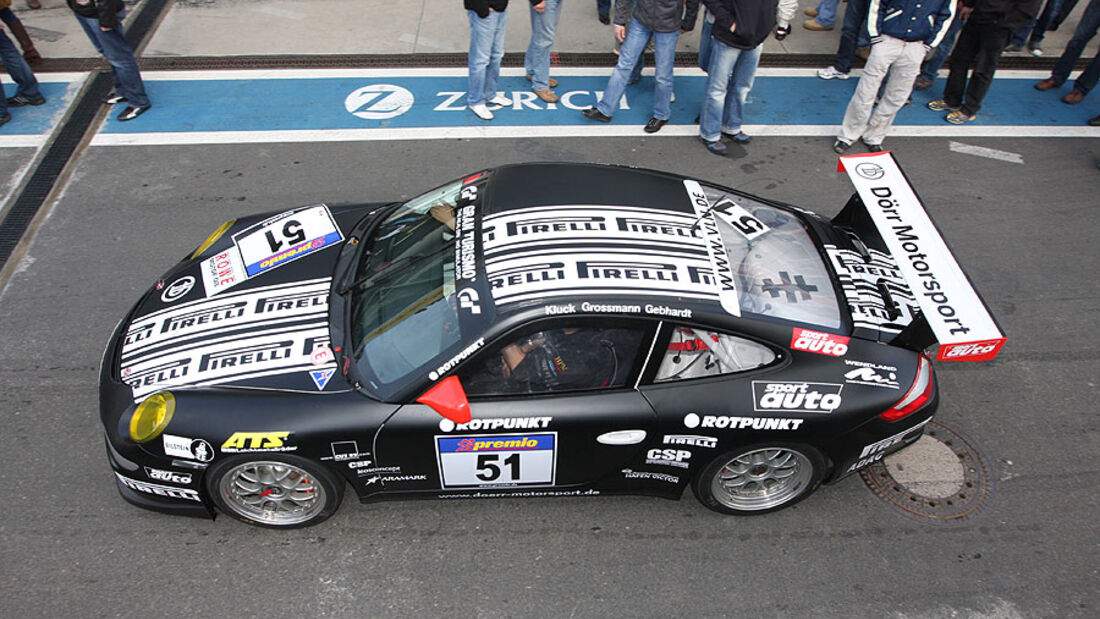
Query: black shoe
column 1094, row 121
column 874, row 148
column 131, row 112
column 654, row 125
column 5, row 118
column 114, row 98
column 21, row 100
column 596, row 114
column 840, row 146
column 781, row 32
column 605, row 19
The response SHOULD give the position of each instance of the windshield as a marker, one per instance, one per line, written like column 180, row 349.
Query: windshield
column 778, row 268
column 402, row 310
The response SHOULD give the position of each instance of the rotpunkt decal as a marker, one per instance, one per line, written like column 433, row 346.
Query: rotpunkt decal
column 379, row 101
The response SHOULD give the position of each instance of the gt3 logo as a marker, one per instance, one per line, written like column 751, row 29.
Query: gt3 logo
column 249, row 441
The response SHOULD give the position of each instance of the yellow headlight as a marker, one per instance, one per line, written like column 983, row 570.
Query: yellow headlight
column 152, row 416
column 213, row 238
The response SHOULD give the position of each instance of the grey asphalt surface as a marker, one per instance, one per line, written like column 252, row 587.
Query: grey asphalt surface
column 70, row 547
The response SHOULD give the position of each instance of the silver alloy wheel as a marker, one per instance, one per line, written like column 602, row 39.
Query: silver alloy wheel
column 273, row 493
column 762, row 479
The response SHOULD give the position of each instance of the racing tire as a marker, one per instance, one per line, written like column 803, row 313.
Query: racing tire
column 758, row 479
column 275, row 491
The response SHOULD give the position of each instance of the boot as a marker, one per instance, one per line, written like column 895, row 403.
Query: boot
column 30, row 54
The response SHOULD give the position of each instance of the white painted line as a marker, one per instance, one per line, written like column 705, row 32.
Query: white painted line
column 51, row 77
column 571, row 131
column 981, row 151
column 23, row 141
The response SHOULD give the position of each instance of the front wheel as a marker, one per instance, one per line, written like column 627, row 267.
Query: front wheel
column 760, row 478
column 275, row 491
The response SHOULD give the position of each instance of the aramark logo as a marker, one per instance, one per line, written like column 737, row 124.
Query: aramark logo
column 379, row 102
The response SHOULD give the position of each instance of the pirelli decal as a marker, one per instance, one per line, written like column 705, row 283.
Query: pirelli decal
column 565, row 250
column 272, row 330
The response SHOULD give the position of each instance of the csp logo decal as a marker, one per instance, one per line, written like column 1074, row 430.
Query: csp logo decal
column 378, row 102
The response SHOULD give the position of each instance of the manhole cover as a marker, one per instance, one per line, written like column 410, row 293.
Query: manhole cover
column 942, row 478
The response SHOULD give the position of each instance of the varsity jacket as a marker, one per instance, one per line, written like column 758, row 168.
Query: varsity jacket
column 755, row 20
column 658, row 15
column 910, row 20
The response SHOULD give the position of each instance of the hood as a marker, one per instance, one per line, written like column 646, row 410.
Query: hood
column 249, row 309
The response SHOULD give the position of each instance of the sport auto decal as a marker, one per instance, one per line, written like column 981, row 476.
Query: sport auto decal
column 495, row 460
column 170, row 492
column 168, row 476
column 248, row 442
column 692, row 420
column 859, row 283
column 820, row 343
column 796, row 397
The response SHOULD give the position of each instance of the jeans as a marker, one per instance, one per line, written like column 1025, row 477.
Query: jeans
column 826, row 12
column 1086, row 30
column 124, row 68
column 537, row 59
column 705, row 42
column 723, row 102
column 1038, row 26
column 603, row 7
column 630, row 55
column 486, row 51
column 931, row 67
column 19, row 71
column 980, row 44
column 901, row 59
column 855, row 25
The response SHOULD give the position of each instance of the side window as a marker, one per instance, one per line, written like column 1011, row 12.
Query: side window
column 695, row 353
column 566, row 358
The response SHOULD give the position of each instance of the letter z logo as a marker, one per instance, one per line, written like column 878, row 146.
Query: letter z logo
column 379, row 102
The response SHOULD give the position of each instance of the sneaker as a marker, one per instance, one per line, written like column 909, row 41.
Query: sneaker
column 1034, row 50
column 810, row 11
column 959, row 117
column 500, row 100
column 830, row 72
column 740, row 137
column 114, row 98
column 481, row 111
column 840, row 146
column 553, row 82
column 546, row 95
column 939, row 105
column 812, row 24
column 923, row 83
column 1012, row 49
column 21, row 100
column 781, row 32
column 874, row 148
column 595, row 114
column 133, row 111
column 717, row 147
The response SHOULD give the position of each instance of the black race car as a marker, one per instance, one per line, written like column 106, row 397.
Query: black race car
column 538, row 330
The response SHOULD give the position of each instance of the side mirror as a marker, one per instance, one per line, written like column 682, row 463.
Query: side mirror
column 448, row 398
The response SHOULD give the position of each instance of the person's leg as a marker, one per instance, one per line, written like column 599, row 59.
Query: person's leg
column 630, row 54
column 931, row 68
column 990, row 44
column 112, row 44
column 1020, row 36
column 1086, row 30
column 899, row 86
column 826, row 13
column 481, row 43
column 664, row 55
column 1088, row 78
column 965, row 49
column 855, row 18
column 18, row 69
column 722, row 59
column 744, row 74
column 603, row 8
column 537, row 59
column 1043, row 23
column 496, row 53
column 863, row 99
column 705, row 43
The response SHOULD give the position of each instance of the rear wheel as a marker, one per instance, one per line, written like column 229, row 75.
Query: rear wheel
column 275, row 491
column 760, row 478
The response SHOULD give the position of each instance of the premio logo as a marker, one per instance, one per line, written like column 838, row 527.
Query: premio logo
column 379, row 101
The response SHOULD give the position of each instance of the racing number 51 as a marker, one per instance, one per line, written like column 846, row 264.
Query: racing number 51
column 489, row 470
column 292, row 234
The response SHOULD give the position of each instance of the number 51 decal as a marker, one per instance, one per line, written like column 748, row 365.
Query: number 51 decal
column 286, row 237
column 496, row 460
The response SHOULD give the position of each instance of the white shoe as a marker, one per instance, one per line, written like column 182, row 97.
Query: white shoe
column 500, row 100
column 482, row 112
column 831, row 73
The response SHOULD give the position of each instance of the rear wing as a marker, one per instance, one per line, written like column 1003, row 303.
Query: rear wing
column 950, row 308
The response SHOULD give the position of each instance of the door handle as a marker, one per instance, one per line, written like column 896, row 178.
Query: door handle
column 622, row 437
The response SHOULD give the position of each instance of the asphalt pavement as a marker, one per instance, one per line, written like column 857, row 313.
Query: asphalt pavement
column 1014, row 208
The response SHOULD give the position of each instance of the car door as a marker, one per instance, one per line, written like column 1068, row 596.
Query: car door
column 566, row 415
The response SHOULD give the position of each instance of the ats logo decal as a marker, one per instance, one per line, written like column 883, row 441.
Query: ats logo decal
column 796, row 397
column 247, row 442
column 820, row 343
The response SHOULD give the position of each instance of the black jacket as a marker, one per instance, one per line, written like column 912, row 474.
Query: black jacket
column 481, row 7
column 755, row 20
column 1004, row 14
column 106, row 10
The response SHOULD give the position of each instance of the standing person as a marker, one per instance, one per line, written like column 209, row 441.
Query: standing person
column 902, row 32
column 664, row 20
column 102, row 22
column 12, row 21
column 783, row 16
column 1086, row 29
column 1037, row 28
column 488, row 19
column 536, row 62
column 28, row 92
column 989, row 24
column 740, row 28
column 930, row 70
